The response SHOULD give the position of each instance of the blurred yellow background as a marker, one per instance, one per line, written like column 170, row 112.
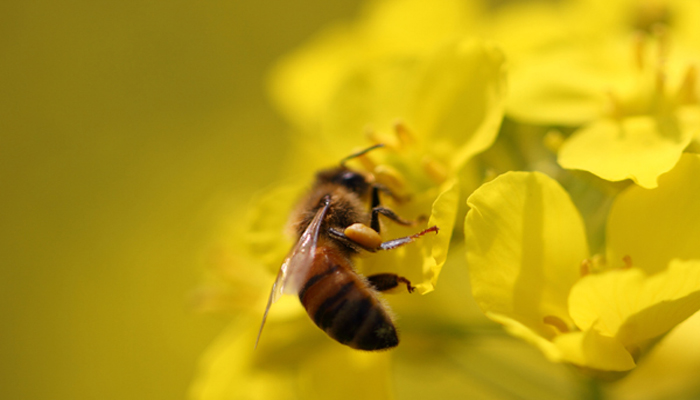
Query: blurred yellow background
column 126, row 131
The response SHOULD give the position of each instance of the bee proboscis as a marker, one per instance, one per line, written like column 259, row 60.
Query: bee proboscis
column 335, row 224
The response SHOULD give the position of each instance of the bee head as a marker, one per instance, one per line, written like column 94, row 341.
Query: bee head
column 343, row 176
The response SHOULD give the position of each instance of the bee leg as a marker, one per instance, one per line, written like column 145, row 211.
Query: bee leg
column 369, row 244
column 378, row 209
column 384, row 189
column 386, row 281
column 387, row 212
column 398, row 242
column 341, row 237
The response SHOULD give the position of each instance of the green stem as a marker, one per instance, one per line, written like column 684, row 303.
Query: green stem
column 594, row 390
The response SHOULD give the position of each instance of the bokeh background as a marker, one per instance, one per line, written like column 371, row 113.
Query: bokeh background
column 127, row 129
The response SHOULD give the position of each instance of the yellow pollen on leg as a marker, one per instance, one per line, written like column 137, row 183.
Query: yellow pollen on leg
column 363, row 235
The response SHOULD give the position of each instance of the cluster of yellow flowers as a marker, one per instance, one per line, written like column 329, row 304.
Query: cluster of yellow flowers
column 553, row 142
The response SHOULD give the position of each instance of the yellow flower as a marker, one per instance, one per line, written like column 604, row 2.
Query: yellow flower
column 630, row 88
column 407, row 62
column 527, row 254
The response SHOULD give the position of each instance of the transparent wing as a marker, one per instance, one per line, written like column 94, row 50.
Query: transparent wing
column 296, row 265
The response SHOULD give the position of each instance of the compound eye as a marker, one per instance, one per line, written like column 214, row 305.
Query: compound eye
column 353, row 180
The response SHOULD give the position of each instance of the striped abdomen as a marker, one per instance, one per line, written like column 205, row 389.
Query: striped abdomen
column 343, row 305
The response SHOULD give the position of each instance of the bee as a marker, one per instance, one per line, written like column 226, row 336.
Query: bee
column 339, row 218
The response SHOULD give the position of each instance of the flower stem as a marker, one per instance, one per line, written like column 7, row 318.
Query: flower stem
column 593, row 391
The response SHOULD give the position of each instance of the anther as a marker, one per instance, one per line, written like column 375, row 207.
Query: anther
column 639, row 49
column 435, row 170
column 553, row 140
column 686, row 91
column 660, row 81
column 557, row 323
column 403, row 134
column 660, row 33
column 628, row 262
column 585, row 268
column 389, row 177
column 614, row 106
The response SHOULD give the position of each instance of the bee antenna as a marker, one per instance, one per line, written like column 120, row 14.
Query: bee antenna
column 360, row 153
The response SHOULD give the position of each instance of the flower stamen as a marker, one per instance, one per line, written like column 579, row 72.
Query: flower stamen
column 557, row 323
column 390, row 177
column 639, row 48
column 687, row 90
column 437, row 171
column 403, row 134
column 585, row 268
column 628, row 262
column 614, row 106
column 366, row 162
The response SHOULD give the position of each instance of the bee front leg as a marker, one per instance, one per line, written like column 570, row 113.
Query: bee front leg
column 384, row 282
column 398, row 242
column 378, row 209
column 374, row 223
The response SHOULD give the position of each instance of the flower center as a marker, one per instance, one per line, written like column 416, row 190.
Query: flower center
column 648, row 14
column 414, row 164
column 648, row 92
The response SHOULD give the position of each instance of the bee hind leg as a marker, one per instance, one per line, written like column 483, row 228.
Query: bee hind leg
column 387, row 281
column 372, row 242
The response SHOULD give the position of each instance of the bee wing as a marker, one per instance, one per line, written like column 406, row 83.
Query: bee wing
column 293, row 270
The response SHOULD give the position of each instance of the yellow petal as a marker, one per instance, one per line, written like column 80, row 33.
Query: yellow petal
column 226, row 370
column 452, row 100
column 294, row 360
column 525, row 243
column 654, row 226
column 302, row 83
column 443, row 215
column 555, row 89
column 459, row 102
column 670, row 371
column 521, row 331
column 592, row 350
column 371, row 97
column 605, row 300
column 666, row 300
column 415, row 26
column 345, row 374
column 566, row 84
column 634, row 148
column 633, row 307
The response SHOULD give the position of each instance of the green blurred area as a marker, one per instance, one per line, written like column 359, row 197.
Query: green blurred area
column 127, row 130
